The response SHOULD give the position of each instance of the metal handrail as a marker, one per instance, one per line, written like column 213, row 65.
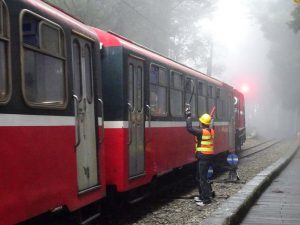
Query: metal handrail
column 102, row 120
column 149, row 120
column 129, row 123
column 77, row 124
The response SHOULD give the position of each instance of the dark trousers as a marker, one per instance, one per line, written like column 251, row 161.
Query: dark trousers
column 204, row 187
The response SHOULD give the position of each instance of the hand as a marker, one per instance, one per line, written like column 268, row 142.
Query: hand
column 188, row 111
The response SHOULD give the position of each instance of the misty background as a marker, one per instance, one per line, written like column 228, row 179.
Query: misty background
column 254, row 45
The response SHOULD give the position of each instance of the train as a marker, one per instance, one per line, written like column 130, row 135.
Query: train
column 240, row 121
column 84, row 111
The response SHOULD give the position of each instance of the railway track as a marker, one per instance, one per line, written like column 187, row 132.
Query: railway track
column 175, row 205
column 252, row 150
column 176, row 198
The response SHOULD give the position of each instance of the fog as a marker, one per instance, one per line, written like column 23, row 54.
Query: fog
column 254, row 45
column 266, row 58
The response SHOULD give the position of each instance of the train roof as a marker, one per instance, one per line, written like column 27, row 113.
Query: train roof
column 238, row 93
column 109, row 39
column 58, row 13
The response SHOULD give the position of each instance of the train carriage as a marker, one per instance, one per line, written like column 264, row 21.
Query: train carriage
column 56, row 150
column 144, row 99
column 50, row 103
column 240, row 123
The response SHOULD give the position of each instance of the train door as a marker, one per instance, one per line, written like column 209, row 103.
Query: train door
column 86, row 147
column 5, row 78
column 136, row 117
column 231, row 112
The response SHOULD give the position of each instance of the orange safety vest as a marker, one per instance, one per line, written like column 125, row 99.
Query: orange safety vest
column 207, row 143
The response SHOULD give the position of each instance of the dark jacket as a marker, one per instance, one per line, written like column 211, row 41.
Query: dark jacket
column 193, row 130
column 196, row 131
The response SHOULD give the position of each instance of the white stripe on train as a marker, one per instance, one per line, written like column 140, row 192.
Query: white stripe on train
column 47, row 120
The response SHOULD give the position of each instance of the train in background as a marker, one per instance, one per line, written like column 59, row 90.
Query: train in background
column 83, row 111
column 240, row 121
column 144, row 97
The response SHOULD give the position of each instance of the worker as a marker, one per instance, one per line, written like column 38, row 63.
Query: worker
column 204, row 152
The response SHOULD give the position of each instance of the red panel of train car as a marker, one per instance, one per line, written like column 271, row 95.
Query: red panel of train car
column 56, row 151
column 50, row 154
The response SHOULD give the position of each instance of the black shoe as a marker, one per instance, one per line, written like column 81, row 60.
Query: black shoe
column 213, row 194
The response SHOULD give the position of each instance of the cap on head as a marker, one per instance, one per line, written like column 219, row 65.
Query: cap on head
column 205, row 119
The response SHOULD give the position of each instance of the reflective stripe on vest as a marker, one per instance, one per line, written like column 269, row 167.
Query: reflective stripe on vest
column 207, row 143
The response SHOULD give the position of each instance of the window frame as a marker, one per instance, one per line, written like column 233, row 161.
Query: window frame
column 130, row 93
column 139, row 95
column 167, row 87
column 5, row 38
column 193, row 93
column 1, row 19
column 40, row 50
column 204, row 95
column 176, row 89
column 89, row 84
column 211, row 97
column 75, row 87
column 41, row 37
column 220, row 107
column 204, row 88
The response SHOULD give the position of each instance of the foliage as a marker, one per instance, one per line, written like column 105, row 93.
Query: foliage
column 170, row 27
column 295, row 23
column 284, row 50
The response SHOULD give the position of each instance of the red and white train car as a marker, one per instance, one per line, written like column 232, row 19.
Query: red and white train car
column 144, row 97
column 50, row 151
column 56, row 150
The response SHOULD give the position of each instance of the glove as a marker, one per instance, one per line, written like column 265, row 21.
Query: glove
column 188, row 111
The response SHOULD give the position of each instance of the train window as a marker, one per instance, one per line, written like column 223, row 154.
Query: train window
column 4, row 54
column 44, row 81
column 163, row 78
column 139, row 83
column 88, row 73
column 177, row 80
column 218, row 92
column 190, row 95
column 130, row 85
column 211, row 99
column 200, row 88
column 176, row 94
column 50, row 38
column 220, row 109
column 228, row 105
column 220, row 104
column 30, row 33
column 202, row 105
column 154, row 73
column 210, row 91
column 230, row 109
column 1, row 18
column 77, row 70
column 3, row 71
column 158, row 90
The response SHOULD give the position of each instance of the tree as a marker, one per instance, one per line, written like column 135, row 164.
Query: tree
column 295, row 23
column 170, row 27
column 284, row 50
